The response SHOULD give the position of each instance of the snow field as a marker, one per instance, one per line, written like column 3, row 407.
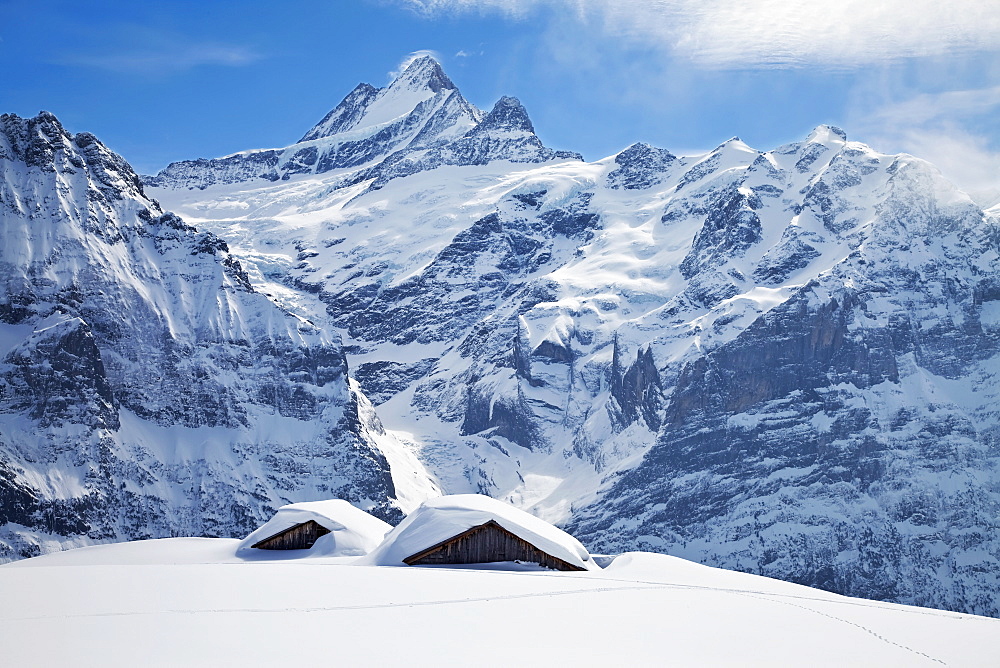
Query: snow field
column 110, row 605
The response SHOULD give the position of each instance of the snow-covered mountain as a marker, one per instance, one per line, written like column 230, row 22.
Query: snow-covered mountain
column 146, row 388
column 419, row 122
column 775, row 361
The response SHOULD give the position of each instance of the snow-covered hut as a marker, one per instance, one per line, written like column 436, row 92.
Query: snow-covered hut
column 475, row 529
column 331, row 528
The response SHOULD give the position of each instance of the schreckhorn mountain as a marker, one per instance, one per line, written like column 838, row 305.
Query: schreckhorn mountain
column 776, row 361
column 419, row 122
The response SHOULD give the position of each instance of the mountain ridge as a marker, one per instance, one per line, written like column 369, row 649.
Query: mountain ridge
column 774, row 361
column 417, row 122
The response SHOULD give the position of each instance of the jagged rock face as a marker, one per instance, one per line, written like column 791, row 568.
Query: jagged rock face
column 505, row 133
column 841, row 438
column 146, row 389
column 57, row 374
column 640, row 166
column 638, row 391
column 730, row 229
column 813, row 329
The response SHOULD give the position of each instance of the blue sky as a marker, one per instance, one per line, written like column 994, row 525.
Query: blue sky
column 180, row 79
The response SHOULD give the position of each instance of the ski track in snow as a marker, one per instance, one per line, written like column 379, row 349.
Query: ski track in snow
column 785, row 599
column 639, row 586
column 854, row 624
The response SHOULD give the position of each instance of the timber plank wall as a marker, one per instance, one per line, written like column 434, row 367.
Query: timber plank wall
column 483, row 544
column 299, row 537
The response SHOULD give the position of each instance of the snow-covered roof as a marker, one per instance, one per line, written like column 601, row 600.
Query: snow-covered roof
column 439, row 519
column 353, row 532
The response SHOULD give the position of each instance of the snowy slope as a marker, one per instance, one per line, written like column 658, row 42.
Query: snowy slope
column 146, row 388
column 186, row 601
column 778, row 361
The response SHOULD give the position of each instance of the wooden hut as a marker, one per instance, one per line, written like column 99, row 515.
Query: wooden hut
column 331, row 528
column 475, row 529
column 486, row 543
column 302, row 536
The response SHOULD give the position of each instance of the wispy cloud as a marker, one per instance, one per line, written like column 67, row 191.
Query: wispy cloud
column 772, row 33
column 932, row 107
column 135, row 49
column 175, row 59
column 961, row 156
column 937, row 128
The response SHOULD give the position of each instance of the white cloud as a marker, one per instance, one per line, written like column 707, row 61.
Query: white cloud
column 773, row 33
column 935, row 127
column 930, row 107
column 166, row 59
column 962, row 157
column 134, row 48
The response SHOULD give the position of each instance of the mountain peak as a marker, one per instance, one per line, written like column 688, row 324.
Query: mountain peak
column 47, row 117
column 345, row 115
column 367, row 106
column 45, row 121
column 507, row 114
column 421, row 73
column 640, row 166
column 824, row 134
column 34, row 140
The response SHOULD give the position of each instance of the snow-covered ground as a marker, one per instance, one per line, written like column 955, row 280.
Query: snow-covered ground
column 191, row 601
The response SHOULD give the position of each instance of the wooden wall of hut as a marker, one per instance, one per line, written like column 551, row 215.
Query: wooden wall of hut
column 299, row 537
column 487, row 543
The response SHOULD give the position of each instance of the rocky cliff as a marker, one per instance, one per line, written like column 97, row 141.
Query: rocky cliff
column 146, row 388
